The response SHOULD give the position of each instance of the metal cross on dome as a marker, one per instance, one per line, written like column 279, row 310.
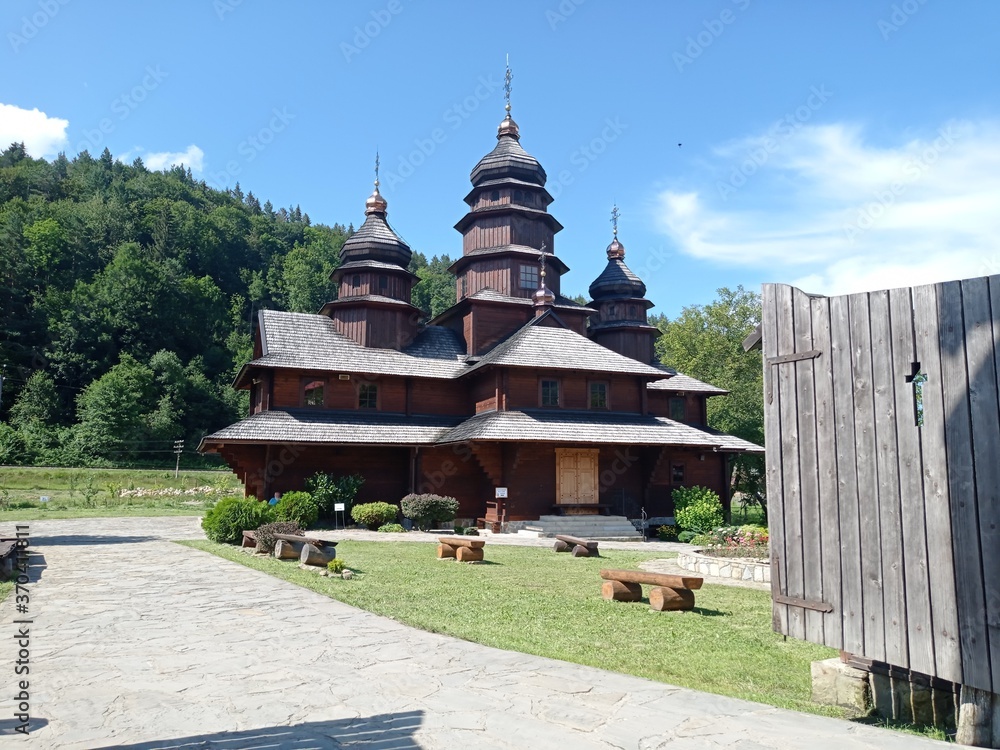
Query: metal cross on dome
column 506, row 86
column 376, row 168
column 614, row 219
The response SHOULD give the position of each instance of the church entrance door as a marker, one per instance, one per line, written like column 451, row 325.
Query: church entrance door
column 576, row 476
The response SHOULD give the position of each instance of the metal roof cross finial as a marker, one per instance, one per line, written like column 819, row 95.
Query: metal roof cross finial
column 508, row 77
column 614, row 219
column 376, row 169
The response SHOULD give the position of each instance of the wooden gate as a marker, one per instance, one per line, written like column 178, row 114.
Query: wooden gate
column 882, row 415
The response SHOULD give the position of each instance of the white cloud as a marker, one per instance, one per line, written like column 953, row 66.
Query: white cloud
column 829, row 211
column 42, row 135
column 192, row 157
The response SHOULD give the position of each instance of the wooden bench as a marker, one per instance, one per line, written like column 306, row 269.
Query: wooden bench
column 669, row 592
column 579, row 547
column 250, row 540
column 462, row 549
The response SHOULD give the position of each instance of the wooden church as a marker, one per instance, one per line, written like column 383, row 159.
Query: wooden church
column 516, row 401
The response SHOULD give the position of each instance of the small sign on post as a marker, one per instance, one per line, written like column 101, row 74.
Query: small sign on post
column 501, row 493
column 339, row 508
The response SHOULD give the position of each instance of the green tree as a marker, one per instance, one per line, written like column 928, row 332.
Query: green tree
column 706, row 342
column 435, row 292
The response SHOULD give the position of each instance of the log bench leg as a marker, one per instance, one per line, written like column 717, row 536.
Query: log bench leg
column 469, row 554
column 662, row 598
column 621, row 592
column 445, row 550
column 561, row 546
column 581, row 551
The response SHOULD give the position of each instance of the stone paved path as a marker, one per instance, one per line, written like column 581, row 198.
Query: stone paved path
column 140, row 643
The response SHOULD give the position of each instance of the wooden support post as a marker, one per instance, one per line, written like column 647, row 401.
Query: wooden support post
column 469, row 554
column 581, row 551
column 621, row 592
column 662, row 598
column 313, row 555
column 561, row 546
column 977, row 718
column 445, row 551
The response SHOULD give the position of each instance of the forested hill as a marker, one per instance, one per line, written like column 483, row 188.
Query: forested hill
column 127, row 299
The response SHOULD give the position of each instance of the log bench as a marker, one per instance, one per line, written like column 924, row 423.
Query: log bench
column 8, row 558
column 463, row 550
column 250, row 540
column 669, row 592
column 579, row 547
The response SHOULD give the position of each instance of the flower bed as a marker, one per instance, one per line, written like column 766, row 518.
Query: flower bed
column 741, row 568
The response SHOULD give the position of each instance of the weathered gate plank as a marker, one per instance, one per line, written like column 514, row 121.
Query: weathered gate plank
column 773, row 458
column 941, row 568
column 961, row 479
column 920, row 629
column 865, row 446
column 847, row 476
column 805, row 398
column 788, row 407
column 826, row 452
column 887, row 469
column 985, row 412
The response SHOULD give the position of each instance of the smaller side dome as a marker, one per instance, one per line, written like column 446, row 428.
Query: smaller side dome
column 616, row 250
column 376, row 204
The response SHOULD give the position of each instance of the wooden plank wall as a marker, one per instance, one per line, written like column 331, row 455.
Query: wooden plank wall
column 883, row 509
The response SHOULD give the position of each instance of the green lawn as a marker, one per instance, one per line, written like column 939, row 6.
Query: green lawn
column 5, row 588
column 81, row 493
column 534, row 601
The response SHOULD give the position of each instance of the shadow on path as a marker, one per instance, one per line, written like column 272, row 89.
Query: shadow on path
column 384, row 731
column 85, row 540
column 8, row 727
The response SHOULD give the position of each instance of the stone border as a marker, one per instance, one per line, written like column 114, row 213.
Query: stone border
column 720, row 567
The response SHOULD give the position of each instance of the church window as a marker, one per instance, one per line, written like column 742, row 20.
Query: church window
column 529, row 276
column 611, row 311
column 677, row 473
column 677, row 408
column 495, row 196
column 461, row 288
column 518, row 195
column 598, row 395
column 550, row 393
column 368, row 396
column 632, row 313
column 383, row 282
column 356, row 281
column 312, row 392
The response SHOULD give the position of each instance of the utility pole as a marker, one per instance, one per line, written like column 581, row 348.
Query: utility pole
column 178, row 449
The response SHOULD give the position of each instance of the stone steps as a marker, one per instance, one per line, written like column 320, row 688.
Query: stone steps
column 600, row 528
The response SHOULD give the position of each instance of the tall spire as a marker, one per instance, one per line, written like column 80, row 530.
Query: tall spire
column 616, row 250
column 544, row 296
column 508, row 126
column 376, row 204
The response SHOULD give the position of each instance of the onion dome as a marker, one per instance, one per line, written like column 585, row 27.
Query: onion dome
column 617, row 279
column 544, row 296
column 508, row 160
column 375, row 239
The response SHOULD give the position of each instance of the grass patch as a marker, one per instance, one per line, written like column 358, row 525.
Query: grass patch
column 85, row 493
column 536, row 602
column 5, row 588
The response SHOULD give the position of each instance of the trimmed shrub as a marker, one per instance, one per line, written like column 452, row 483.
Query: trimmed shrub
column 471, row 531
column 336, row 565
column 298, row 507
column 266, row 533
column 667, row 533
column 428, row 510
column 231, row 516
column 374, row 515
column 391, row 528
column 328, row 490
column 697, row 509
column 686, row 536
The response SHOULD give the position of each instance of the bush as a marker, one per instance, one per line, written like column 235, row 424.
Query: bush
column 686, row 536
column 374, row 515
column 328, row 490
column 471, row 531
column 231, row 516
column 336, row 565
column 667, row 533
column 736, row 541
column 391, row 528
column 266, row 533
column 697, row 509
column 298, row 507
column 428, row 510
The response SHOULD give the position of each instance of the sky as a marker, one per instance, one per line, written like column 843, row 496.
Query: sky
column 837, row 145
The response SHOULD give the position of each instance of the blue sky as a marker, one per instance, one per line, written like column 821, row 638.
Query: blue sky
column 839, row 145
